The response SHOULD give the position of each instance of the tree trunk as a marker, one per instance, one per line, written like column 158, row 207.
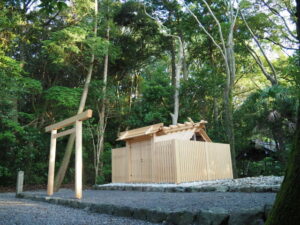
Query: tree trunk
column 175, row 113
column 229, row 127
column 102, row 118
column 173, row 63
column 287, row 204
column 228, row 106
column 68, row 151
column 185, row 72
column 215, row 111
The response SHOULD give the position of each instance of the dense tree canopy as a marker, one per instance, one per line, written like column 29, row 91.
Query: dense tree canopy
column 238, row 70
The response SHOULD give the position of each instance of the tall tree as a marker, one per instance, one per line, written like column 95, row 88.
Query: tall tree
column 70, row 145
column 226, row 49
column 177, row 67
column 102, row 111
column 287, row 205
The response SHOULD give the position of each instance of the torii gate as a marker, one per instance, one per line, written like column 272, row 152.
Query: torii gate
column 78, row 148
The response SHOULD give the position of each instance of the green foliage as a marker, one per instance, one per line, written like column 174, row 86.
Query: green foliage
column 266, row 167
column 63, row 97
column 4, row 172
column 45, row 53
column 51, row 6
column 154, row 105
column 106, row 169
column 65, row 43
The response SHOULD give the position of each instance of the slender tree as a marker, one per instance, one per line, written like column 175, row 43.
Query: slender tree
column 102, row 112
column 178, row 66
column 70, row 145
column 226, row 49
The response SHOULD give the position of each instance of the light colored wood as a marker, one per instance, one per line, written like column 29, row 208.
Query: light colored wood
column 159, row 129
column 183, row 135
column 177, row 162
column 208, row 172
column 203, row 161
column 172, row 161
column 141, row 161
column 152, row 155
column 163, row 163
column 78, row 149
column 140, row 131
column 219, row 161
column 139, row 139
column 51, row 163
column 204, row 135
column 120, row 165
column 128, row 145
column 64, row 133
column 78, row 160
column 20, row 182
column 168, row 155
column 67, row 122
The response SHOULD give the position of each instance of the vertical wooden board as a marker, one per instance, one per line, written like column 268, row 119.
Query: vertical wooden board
column 168, row 162
column 113, row 166
column 219, row 161
column 201, row 161
column 113, row 172
column 129, row 161
column 141, row 165
column 227, row 168
column 191, row 161
column 176, row 162
column 135, row 163
column 157, row 163
column 172, row 163
column 229, row 165
column 146, row 166
column 120, row 171
column 163, row 165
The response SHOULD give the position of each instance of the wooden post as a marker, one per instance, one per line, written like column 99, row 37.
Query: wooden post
column 78, row 160
column 51, row 162
column 20, row 181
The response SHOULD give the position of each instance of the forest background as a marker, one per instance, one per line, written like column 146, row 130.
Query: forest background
column 137, row 63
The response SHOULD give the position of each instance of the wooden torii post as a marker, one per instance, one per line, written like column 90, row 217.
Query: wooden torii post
column 77, row 120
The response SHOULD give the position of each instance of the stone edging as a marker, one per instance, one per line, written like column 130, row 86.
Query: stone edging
column 215, row 216
column 220, row 188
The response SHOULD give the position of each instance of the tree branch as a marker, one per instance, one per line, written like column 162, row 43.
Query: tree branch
column 260, row 47
column 205, row 31
column 275, row 12
column 261, row 66
column 277, row 43
column 218, row 24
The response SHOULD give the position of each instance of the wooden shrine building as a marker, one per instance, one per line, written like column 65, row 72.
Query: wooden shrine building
column 174, row 154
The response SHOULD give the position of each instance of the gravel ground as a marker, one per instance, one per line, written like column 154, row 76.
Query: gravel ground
column 15, row 211
column 247, row 181
column 166, row 201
